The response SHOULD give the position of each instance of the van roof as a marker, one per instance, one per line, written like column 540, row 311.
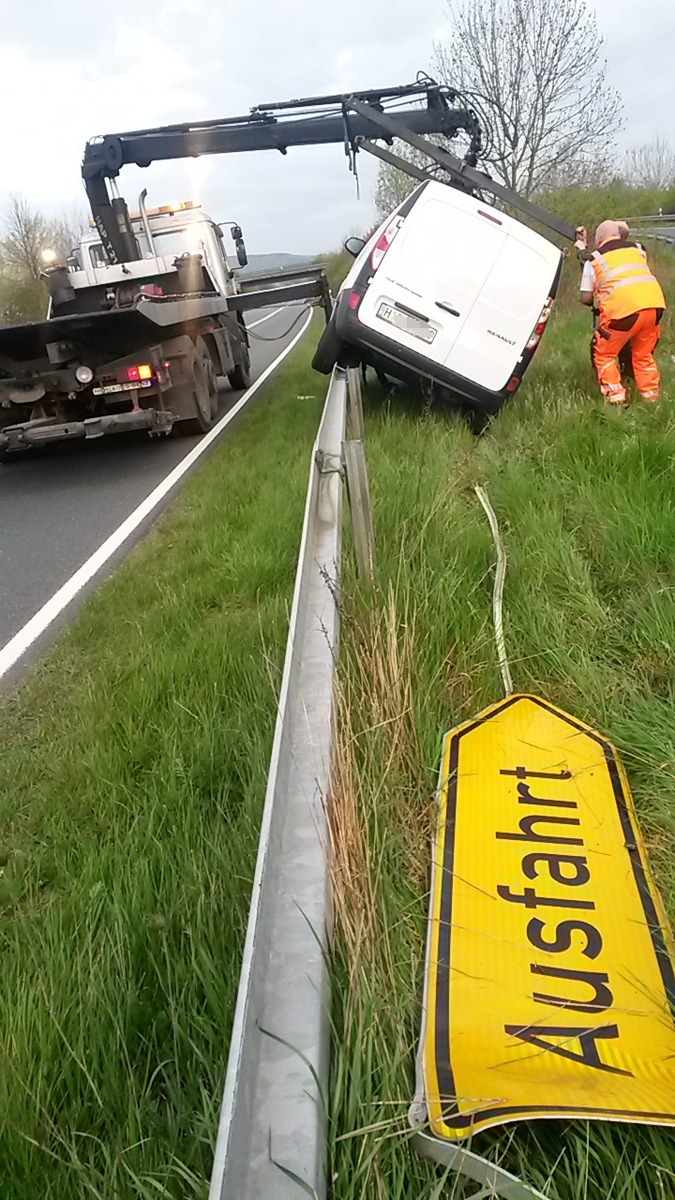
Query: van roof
column 456, row 198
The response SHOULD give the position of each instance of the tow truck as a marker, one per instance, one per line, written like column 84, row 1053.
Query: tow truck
column 148, row 311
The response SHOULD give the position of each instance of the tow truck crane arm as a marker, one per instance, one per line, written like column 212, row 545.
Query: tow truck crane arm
column 313, row 121
column 462, row 173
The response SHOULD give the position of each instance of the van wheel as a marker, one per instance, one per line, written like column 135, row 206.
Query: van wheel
column 477, row 420
column 328, row 351
column 204, row 392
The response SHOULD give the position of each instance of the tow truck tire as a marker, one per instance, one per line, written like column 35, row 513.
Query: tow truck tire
column 204, row 390
column 240, row 376
column 328, row 351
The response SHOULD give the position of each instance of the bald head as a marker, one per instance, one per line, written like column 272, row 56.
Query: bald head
column 610, row 231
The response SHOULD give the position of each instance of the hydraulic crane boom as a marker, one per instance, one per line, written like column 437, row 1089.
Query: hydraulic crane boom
column 305, row 122
column 462, row 173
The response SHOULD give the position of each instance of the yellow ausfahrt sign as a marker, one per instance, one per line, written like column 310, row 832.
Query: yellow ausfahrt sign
column 549, row 987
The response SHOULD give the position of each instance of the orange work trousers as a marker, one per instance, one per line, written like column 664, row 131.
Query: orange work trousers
column 641, row 331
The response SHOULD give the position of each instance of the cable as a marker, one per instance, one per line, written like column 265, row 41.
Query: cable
column 278, row 337
column 498, row 591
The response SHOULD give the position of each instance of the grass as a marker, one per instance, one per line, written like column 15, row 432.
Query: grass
column 132, row 774
column 584, row 500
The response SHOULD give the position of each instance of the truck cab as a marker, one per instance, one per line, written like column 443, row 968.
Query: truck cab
column 170, row 240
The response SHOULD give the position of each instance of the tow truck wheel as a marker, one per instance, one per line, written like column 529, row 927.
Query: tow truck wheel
column 204, row 390
column 240, row 376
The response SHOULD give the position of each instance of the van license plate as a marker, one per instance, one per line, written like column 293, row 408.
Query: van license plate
column 406, row 322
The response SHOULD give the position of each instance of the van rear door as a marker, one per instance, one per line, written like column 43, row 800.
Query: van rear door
column 498, row 327
column 432, row 274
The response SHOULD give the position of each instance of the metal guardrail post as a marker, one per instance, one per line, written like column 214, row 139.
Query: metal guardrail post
column 355, row 404
column 354, row 458
column 356, row 474
column 271, row 1141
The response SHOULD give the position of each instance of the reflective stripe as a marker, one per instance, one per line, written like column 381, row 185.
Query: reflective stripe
column 623, row 282
column 620, row 270
column 607, row 272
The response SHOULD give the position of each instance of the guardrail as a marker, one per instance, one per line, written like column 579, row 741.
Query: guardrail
column 659, row 228
column 271, row 1141
column 656, row 218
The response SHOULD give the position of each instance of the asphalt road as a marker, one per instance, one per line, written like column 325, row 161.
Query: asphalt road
column 59, row 504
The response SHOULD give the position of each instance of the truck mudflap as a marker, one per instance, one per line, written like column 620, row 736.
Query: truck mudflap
column 14, row 438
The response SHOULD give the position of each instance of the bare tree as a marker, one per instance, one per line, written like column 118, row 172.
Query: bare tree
column 651, row 166
column 67, row 228
column 26, row 234
column 536, row 70
column 393, row 185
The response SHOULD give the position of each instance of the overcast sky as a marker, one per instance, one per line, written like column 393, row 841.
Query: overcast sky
column 69, row 71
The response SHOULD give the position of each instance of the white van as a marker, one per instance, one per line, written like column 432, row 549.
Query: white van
column 448, row 289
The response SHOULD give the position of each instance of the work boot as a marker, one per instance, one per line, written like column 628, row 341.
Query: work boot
column 649, row 397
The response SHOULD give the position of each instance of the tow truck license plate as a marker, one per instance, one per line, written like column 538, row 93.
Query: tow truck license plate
column 122, row 387
column 406, row 322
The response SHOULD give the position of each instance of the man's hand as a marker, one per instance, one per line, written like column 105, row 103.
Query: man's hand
column 581, row 242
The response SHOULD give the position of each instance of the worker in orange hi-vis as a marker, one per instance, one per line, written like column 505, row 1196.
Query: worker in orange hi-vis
column 629, row 303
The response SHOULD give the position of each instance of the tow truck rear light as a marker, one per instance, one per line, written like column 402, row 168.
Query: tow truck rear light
column 539, row 328
column 384, row 241
column 142, row 371
column 132, row 379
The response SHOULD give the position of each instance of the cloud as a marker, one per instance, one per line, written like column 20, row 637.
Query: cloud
column 44, row 140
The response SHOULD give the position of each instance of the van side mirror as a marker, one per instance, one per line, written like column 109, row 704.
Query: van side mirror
column 354, row 246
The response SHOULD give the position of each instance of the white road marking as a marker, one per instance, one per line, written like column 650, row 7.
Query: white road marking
column 272, row 314
column 285, row 308
column 17, row 646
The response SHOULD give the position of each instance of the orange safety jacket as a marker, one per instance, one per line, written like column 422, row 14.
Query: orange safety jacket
column 623, row 282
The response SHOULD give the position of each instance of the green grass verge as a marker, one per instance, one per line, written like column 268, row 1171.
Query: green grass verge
column 584, row 500
column 132, row 774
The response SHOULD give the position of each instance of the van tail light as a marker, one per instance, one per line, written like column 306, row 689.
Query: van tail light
column 513, row 383
column 355, row 299
column 539, row 328
column 384, row 241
